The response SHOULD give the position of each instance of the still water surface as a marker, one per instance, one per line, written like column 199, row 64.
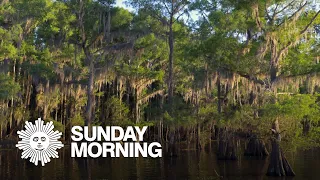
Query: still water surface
column 189, row 165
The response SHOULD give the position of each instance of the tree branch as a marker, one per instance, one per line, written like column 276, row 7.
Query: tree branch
column 295, row 13
column 285, row 7
column 165, row 5
column 312, row 20
column 274, row 13
column 301, row 33
column 247, row 76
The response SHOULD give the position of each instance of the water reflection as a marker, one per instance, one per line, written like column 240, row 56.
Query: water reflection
column 189, row 165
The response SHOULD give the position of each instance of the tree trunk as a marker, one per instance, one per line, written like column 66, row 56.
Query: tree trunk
column 46, row 93
column 273, row 72
column 90, row 94
column 109, row 25
column 160, row 133
column 170, row 81
column 207, row 81
column 219, row 93
column 256, row 147
column 226, row 146
column 278, row 166
column 172, row 144
column 306, row 125
column 198, row 137
column 137, row 112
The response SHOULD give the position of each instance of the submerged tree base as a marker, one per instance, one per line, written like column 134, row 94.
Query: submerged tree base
column 256, row 147
column 172, row 149
column 226, row 146
column 279, row 166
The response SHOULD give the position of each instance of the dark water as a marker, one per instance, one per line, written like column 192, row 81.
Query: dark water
column 189, row 165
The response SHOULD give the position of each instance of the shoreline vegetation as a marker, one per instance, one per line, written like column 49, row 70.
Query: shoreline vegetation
column 240, row 69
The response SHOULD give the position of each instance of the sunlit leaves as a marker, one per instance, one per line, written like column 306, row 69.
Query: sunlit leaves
column 8, row 88
column 117, row 113
column 120, row 18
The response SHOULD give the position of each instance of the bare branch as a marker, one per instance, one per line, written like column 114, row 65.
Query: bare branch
column 178, row 17
column 165, row 5
column 274, row 13
column 285, row 7
column 284, row 49
column 295, row 13
column 312, row 20
column 266, row 9
column 177, row 9
column 157, row 16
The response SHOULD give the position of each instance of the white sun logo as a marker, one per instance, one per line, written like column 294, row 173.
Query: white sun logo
column 39, row 142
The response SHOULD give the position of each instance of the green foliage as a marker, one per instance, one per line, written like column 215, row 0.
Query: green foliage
column 208, row 112
column 8, row 88
column 121, row 18
column 50, row 100
column 237, row 41
column 20, row 113
column 182, row 114
column 296, row 107
column 58, row 126
column 117, row 112
column 77, row 120
column 41, row 70
column 145, row 123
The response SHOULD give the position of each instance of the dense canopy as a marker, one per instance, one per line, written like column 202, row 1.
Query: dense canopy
column 186, row 68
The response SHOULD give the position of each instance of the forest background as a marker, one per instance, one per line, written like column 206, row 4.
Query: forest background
column 235, row 71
